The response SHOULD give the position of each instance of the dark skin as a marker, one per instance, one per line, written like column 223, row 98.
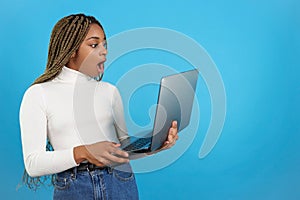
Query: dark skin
column 89, row 59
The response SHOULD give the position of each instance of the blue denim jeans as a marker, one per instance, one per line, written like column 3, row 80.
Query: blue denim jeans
column 99, row 184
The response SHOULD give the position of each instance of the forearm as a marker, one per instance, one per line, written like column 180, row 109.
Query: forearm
column 48, row 162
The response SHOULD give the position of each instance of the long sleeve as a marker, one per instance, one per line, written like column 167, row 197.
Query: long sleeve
column 118, row 114
column 33, row 124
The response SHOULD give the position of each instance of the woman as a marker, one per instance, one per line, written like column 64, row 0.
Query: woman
column 85, row 143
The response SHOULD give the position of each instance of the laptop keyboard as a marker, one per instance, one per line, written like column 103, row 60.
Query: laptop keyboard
column 137, row 144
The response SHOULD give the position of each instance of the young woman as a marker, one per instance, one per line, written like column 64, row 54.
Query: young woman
column 84, row 146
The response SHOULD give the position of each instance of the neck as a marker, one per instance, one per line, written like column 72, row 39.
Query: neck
column 72, row 65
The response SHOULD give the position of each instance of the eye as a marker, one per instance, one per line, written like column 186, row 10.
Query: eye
column 104, row 43
column 94, row 45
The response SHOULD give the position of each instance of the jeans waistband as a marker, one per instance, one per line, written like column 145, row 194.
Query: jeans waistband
column 87, row 167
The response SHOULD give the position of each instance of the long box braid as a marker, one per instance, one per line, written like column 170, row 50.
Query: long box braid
column 66, row 37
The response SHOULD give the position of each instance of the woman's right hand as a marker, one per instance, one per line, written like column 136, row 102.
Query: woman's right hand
column 101, row 154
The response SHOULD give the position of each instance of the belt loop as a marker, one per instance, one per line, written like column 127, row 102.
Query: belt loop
column 87, row 168
column 74, row 173
column 109, row 170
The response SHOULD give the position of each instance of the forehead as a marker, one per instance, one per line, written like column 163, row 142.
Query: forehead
column 95, row 31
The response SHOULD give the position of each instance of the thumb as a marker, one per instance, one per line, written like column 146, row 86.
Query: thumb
column 116, row 144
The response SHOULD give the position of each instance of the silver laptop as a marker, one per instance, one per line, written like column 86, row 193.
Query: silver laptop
column 175, row 102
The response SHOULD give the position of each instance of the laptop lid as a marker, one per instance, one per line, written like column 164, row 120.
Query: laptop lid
column 175, row 102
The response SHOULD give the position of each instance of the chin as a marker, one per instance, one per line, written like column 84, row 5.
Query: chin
column 98, row 77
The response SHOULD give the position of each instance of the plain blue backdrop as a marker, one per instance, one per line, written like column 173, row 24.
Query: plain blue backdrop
column 256, row 46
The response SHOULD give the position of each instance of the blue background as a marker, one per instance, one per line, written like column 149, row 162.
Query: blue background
column 255, row 45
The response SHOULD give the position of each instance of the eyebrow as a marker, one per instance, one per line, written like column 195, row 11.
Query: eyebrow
column 95, row 38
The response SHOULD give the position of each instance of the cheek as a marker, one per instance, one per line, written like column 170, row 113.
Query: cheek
column 89, row 63
column 84, row 56
column 90, row 59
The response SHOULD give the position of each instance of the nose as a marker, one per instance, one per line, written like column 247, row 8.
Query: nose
column 103, row 51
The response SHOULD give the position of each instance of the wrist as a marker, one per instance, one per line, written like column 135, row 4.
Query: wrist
column 79, row 154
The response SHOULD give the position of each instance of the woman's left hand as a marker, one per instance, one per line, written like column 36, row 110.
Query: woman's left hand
column 171, row 139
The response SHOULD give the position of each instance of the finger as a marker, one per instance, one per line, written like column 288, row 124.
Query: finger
column 171, row 138
column 104, row 160
column 101, row 162
column 171, row 141
column 173, row 131
column 174, row 124
column 116, row 159
column 116, row 144
column 175, row 136
column 120, row 153
column 165, row 145
column 116, row 151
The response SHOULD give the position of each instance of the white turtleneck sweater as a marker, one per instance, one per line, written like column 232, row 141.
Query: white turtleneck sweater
column 70, row 110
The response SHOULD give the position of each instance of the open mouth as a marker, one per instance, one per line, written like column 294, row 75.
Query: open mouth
column 100, row 67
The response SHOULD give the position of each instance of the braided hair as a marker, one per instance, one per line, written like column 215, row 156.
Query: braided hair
column 66, row 37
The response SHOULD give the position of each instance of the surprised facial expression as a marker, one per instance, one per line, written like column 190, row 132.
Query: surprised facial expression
column 91, row 55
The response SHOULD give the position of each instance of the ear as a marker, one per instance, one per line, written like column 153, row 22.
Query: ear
column 73, row 55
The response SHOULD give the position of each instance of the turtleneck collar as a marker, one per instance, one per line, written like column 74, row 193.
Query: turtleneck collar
column 71, row 75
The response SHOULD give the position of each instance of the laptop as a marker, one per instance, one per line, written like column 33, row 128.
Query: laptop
column 175, row 102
